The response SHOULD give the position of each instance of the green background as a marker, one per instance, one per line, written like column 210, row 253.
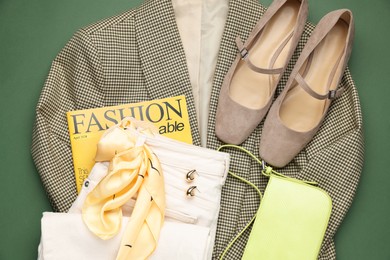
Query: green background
column 32, row 33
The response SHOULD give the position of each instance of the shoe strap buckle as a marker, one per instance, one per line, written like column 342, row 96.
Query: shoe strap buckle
column 332, row 94
column 244, row 53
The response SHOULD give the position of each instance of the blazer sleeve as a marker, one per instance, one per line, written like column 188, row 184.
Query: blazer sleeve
column 74, row 82
column 337, row 169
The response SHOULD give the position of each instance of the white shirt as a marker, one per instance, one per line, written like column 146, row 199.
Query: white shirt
column 201, row 24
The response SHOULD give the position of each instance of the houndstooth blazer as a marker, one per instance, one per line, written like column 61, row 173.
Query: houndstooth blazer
column 138, row 56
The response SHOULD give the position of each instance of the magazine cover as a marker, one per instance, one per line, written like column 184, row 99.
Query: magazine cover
column 170, row 116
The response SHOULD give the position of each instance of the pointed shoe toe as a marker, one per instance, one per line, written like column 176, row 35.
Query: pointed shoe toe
column 249, row 86
column 298, row 112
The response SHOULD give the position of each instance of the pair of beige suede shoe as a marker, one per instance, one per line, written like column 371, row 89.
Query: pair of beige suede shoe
column 296, row 115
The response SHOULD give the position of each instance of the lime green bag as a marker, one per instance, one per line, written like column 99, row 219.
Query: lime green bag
column 291, row 221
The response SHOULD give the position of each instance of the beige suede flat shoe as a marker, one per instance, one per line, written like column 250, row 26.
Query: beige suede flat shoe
column 297, row 114
column 249, row 86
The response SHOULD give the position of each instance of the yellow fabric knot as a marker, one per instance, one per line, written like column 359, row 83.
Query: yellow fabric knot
column 134, row 171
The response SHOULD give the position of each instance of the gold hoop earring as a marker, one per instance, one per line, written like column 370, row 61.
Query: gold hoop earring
column 190, row 176
column 191, row 191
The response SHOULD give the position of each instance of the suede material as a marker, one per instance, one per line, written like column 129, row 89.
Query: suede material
column 280, row 144
column 235, row 122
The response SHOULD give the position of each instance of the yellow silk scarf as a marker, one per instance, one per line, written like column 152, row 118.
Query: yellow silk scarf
column 134, row 171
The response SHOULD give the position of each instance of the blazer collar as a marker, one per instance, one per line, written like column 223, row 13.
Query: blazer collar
column 163, row 59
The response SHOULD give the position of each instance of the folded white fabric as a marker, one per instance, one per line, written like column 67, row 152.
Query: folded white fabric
column 64, row 237
column 190, row 221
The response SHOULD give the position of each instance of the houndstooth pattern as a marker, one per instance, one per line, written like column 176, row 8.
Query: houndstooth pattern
column 138, row 56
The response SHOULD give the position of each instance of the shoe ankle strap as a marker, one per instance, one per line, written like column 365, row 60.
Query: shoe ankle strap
column 332, row 94
column 245, row 57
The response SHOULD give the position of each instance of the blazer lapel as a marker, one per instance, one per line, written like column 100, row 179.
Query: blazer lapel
column 238, row 199
column 242, row 17
column 162, row 56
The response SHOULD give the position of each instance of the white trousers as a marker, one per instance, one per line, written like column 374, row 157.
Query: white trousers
column 190, row 221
